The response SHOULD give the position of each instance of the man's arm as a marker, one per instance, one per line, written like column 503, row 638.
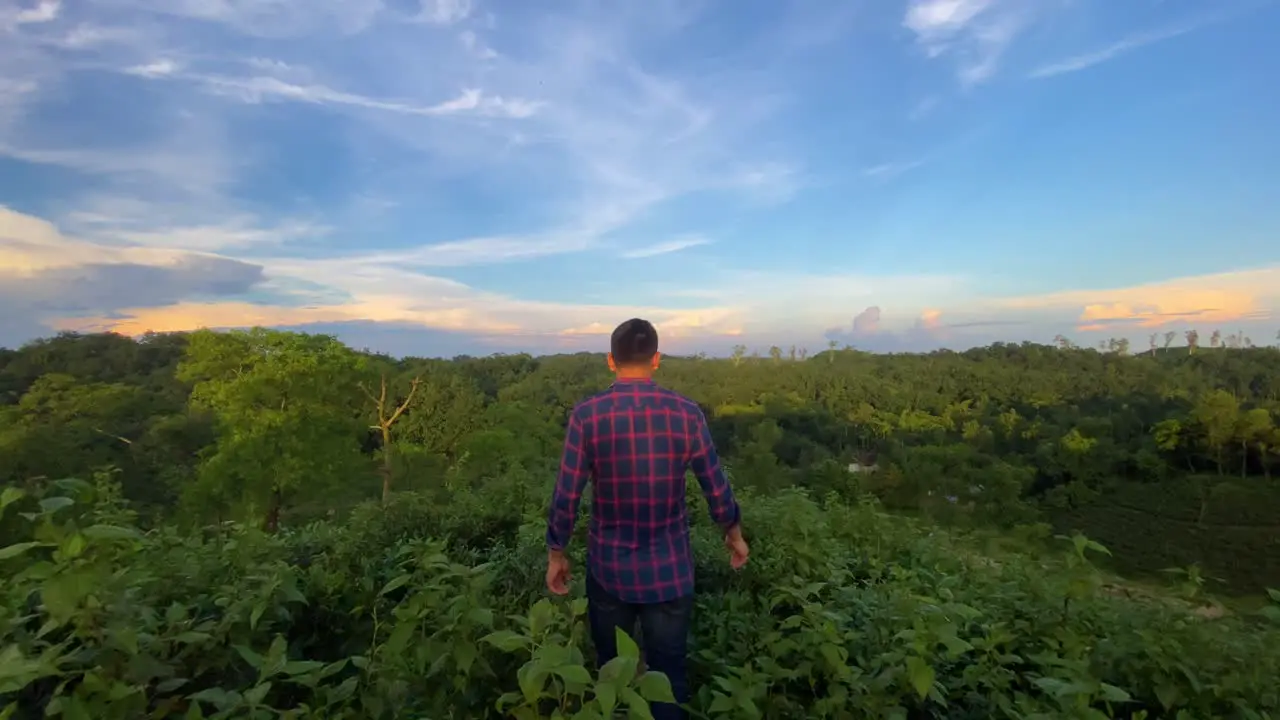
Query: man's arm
column 575, row 468
column 705, row 463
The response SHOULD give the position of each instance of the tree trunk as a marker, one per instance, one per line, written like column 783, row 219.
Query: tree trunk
column 272, row 523
column 386, row 464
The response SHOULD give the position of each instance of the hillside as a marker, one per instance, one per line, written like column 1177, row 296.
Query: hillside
column 242, row 540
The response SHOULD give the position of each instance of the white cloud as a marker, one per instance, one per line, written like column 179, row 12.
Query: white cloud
column 445, row 12
column 155, row 69
column 44, row 11
column 937, row 22
column 475, row 46
column 669, row 246
column 976, row 33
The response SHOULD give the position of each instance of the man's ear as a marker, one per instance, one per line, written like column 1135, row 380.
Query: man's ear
column 657, row 358
column 608, row 358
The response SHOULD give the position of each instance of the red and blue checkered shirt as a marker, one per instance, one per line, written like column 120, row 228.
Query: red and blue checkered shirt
column 636, row 440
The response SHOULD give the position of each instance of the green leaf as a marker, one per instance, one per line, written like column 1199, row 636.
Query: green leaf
column 9, row 496
column 627, row 647
column 257, row 694
column 73, row 546
column 17, row 549
column 920, row 674
column 721, row 704
column 63, row 593
column 345, row 690
column 619, row 670
column 1273, row 594
column 465, row 653
column 250, row 656
column 256, row 615
column 637, row 706
column 540, row 616
column 54, row 504
column 395, row 583
column 298, row 667
column 168, row 686
column 607, row 695
column 655, row 687
column 506, row 640
column 217, row 697
column 1111, row 693
column 574, row 674
column 532, row 678
column 111, row 532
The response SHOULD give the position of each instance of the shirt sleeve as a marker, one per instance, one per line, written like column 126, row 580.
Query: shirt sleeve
column 705, row 463
column 575, row 468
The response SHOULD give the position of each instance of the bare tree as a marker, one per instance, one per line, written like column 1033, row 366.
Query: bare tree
column 1153, row 343
column 1168, row 339
column 1215, row 340
column 738, row 352
column 1193, row 338
column 387, row 417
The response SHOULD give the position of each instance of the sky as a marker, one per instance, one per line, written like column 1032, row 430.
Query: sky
column 439, row 177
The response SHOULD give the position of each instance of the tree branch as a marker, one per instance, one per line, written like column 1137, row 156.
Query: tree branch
column 413, row 388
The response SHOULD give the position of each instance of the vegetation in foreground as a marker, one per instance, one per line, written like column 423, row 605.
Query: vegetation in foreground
column 418, row 610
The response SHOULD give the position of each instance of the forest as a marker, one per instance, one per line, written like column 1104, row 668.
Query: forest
column 268, row 524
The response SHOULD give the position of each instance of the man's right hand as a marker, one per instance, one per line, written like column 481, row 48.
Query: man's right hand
column 737, row 545
column 557, row 572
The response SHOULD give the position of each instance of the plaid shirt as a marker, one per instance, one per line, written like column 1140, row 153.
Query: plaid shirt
column 637, row 439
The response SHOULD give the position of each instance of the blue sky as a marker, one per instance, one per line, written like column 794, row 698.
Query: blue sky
column 443, row 176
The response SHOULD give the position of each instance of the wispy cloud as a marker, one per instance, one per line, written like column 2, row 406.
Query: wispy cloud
column 259, row 88
column 1114, row 50
column 888, row 170
column 669, row 246
column 573, row 114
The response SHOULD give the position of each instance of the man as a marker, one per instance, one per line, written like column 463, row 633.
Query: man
column 636, row 440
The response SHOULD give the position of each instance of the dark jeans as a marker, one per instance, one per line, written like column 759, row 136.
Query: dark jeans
column 665, row 627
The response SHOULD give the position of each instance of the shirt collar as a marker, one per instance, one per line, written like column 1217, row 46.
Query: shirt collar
column 631, row 382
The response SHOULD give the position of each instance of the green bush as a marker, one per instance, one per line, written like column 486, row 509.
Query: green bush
column 843, row 612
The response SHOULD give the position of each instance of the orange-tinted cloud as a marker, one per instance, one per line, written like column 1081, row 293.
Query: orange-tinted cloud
column 1217, row 298
column 930, row 319
column 478, row 319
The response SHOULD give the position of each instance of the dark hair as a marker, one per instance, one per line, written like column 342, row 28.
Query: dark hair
column 634, row 342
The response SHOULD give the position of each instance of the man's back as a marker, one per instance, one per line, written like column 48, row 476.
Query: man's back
column 637, row 439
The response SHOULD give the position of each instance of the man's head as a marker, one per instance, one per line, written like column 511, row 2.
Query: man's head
column 633, row 349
